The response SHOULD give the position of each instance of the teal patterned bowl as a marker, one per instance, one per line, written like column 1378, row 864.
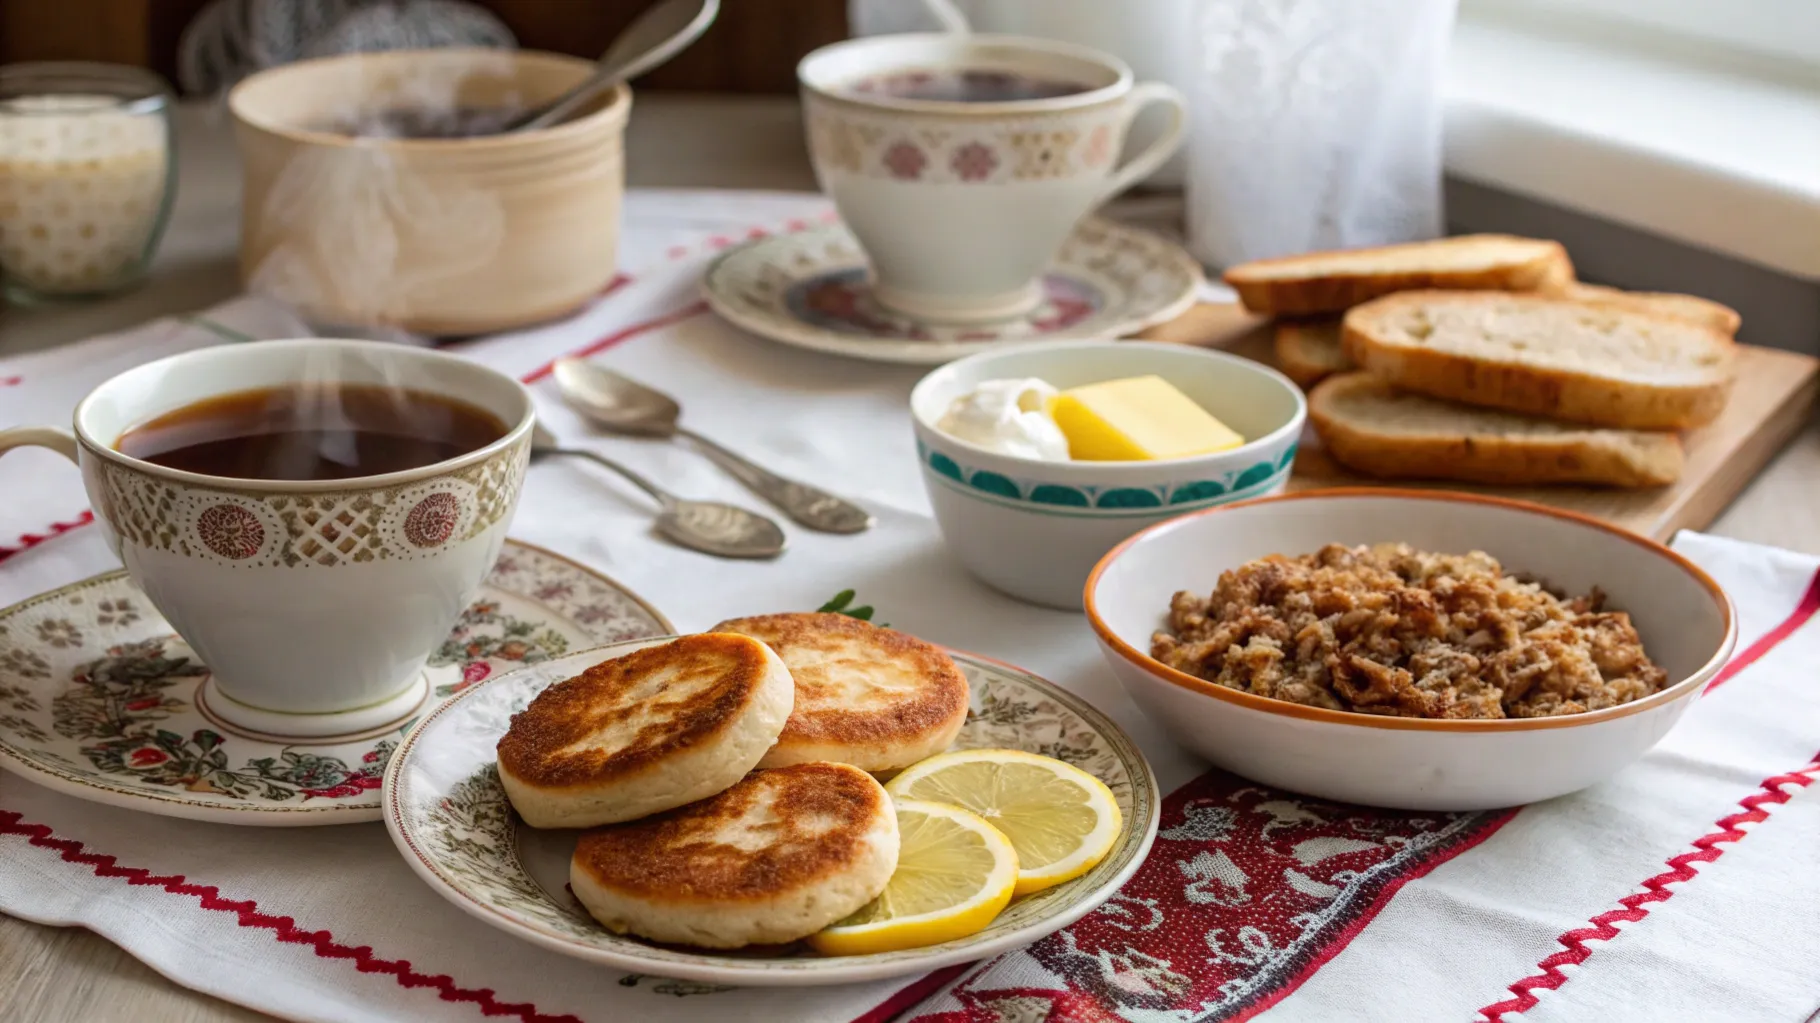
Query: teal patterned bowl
column 1035, row 529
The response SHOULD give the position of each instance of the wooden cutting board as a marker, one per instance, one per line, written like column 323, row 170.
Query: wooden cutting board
column 1772, row 399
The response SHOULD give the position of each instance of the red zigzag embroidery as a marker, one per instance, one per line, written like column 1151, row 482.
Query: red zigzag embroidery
column 30, row 540
column 1707, row 848
column 247, row 913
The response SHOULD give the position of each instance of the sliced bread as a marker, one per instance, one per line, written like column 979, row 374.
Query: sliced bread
column 1692, row 308
column 1331, row 282
column 1546, row 356
column 1309, row 350
column 1370, row 427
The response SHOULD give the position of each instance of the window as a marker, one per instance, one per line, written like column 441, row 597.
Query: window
column 1787, row 30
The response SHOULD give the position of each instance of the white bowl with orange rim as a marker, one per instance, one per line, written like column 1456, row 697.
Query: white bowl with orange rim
column 1684, row 619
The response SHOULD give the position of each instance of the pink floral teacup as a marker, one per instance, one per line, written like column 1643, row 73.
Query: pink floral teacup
column 313, row 603
column 962, row 162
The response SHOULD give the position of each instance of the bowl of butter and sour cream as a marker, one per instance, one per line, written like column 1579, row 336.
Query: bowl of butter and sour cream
column 1040, row 458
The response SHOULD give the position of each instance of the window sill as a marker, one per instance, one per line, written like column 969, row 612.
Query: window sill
column 1713, row 159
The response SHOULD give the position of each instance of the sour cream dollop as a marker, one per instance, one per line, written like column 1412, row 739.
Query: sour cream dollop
column 1010, row 417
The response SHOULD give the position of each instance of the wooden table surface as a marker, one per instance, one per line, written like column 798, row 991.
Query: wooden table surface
column 67, row 975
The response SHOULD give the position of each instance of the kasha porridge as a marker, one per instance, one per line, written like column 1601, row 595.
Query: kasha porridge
column 1392, row 630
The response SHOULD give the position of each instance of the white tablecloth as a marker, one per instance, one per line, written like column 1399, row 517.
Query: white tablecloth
column 1650, row 897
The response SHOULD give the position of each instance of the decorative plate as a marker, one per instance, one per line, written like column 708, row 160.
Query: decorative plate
column 449, row 816
column 98, row 698
column 810, row 289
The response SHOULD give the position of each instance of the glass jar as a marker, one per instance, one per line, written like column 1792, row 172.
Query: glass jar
column 87, row 173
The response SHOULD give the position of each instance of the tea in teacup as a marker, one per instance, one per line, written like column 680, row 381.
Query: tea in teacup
column 312, row 431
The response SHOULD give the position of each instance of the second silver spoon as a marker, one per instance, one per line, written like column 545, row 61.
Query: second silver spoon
column 706, row 526
column 624, row 405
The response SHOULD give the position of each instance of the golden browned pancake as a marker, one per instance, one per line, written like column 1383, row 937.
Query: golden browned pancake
column 775, row 858
column 872, row 697
column 653, row 729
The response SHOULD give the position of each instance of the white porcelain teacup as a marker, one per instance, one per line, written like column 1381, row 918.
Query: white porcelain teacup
column 313, row 603
column 960, row 205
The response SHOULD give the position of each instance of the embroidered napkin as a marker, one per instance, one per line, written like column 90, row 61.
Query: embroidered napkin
column 1652, row 896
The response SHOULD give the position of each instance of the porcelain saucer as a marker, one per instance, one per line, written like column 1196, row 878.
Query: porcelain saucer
column 98, row 698
column 449, row 816
column 810, row 289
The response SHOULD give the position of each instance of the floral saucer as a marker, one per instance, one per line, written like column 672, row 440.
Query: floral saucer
column 449, row 816
column 810, row 289
column 100, row 700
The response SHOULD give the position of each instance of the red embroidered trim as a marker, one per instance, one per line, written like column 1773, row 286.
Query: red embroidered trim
column 912, row 993
column 283, row 928
column 1810, row 603
column 1602, row 929
column 1633, row 907
column 1344, row 938
column 1077, row 1006
column 56, row 529
column 610, row 340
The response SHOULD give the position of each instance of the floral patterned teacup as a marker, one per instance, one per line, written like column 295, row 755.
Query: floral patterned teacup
column 960, row 205
column 314, row 603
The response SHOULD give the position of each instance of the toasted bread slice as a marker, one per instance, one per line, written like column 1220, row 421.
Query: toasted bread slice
column 874, row 698
column 1332, row 282
column 775, row 858
column 1373, row 428
column 1551, row 357
column 1309, row 350
column 653, row 729
column 1692, row 308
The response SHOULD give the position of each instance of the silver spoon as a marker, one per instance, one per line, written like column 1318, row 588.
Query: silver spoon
column 659, row 34
column 623, row 405
column 707, row 526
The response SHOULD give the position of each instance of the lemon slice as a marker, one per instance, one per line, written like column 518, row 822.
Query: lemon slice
column 954, row 873
column 1061, row 819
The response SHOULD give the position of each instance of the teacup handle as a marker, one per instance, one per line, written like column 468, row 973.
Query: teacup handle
column 1142, row 95
column 60, row 441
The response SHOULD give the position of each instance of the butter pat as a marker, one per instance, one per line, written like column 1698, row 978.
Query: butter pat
column 1136, row 420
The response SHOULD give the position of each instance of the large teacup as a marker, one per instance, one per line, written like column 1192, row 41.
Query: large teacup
column 313, row 603
column 961, row 205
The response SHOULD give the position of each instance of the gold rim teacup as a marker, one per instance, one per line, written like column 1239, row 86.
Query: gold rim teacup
column 961, row 205
column 314, row 603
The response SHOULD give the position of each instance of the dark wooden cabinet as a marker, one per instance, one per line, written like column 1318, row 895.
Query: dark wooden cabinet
column 753, row 46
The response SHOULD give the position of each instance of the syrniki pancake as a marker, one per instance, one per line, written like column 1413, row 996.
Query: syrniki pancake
column 775, row 858
column 867, row 696
column 654, row 729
